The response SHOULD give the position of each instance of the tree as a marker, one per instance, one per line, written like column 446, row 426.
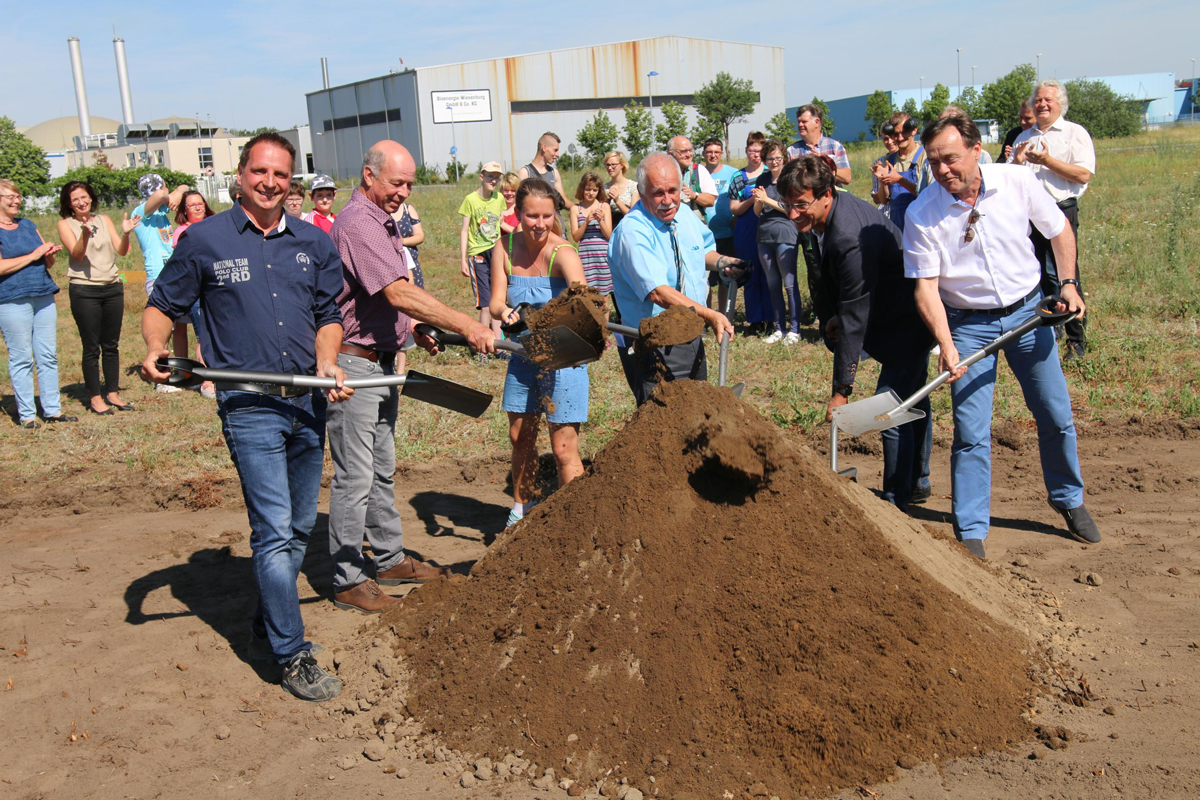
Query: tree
column 971, row 102
column 706, row 129
column 114, row 187
column 827, row 123
column 1103, row 112
column 255, row 132
column 638, row 129
column 879, row 108
column 1002, row 99
column 674, row 124
column 781, row 128
column 910, row 108
column 598, row 136
column 724, row 101
column 22, row 161
column 939, row 98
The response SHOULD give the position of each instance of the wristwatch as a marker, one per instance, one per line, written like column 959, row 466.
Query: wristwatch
column 1069, row 282
column 844, row 391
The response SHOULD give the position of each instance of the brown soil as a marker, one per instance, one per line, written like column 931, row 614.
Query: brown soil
column 580, row 308
column 676, row 325
column 710, row 605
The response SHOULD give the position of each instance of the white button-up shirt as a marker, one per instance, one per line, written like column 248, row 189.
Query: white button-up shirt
column 1069, row 143
column 997, row 267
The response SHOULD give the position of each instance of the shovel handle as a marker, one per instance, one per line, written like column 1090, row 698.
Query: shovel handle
column 272, row 378
column 1045, row 315
column 624, row 330
column 442, row 337
column 723, row 360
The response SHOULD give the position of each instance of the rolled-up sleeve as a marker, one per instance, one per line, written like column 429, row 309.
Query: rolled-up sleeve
column 178, row 285
column 634, row 257
column 922, row 253
column 327, row 286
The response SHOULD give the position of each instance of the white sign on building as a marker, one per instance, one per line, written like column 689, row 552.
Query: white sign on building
column 473, row 105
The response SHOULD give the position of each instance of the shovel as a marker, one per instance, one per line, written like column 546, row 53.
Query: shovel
column 556, row 348
column 885, row 410
column 415, row 385
column 722, row 362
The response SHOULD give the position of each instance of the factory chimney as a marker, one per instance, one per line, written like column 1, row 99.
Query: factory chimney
column 325, row 71
column 123, row 82
column 81, row 103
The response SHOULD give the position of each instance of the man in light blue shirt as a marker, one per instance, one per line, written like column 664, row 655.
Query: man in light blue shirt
column 660, row 258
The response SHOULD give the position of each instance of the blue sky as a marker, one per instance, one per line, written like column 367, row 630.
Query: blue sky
column 248, row 67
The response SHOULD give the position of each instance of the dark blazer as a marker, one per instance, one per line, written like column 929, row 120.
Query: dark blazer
column 857, row 275
column 1009, row 138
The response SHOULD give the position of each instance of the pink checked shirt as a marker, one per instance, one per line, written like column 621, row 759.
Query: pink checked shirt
column 373, row 256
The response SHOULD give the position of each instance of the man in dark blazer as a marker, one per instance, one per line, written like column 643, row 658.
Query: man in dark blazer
column 866, row 307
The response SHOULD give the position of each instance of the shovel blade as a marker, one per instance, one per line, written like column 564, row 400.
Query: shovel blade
column 557, row 348
column 860, row 416
column 444, row 393
column 738, row 388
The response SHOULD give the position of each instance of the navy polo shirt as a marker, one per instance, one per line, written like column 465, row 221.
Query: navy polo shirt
column 263, row 297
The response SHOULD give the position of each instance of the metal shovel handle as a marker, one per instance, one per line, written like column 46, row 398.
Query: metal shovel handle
column 723, row 360
column 1045, row 315
column 443, row 337
column 624, row 330
column 198, row 370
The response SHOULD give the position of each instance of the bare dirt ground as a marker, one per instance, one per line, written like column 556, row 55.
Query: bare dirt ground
column 124, row 619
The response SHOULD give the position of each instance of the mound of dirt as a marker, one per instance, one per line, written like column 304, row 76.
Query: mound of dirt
column 580, row 308
column 710, row 608
column 675, row 325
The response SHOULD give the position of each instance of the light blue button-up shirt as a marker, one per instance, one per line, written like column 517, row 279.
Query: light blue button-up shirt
column 641, row 259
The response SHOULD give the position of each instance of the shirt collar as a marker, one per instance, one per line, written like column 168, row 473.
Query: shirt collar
column 241, row 221
column 1057, row 125
column 951, row 200
column 658, row 223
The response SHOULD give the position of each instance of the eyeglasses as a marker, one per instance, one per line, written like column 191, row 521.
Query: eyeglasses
column 803, row 205
column 687, row 152
column 10, row 197
column 773, row 159
column 969, row 231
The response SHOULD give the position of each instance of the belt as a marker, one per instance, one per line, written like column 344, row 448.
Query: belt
column 1003, row 312
column 262, row 388
column 1070, row 202
column 374, row 356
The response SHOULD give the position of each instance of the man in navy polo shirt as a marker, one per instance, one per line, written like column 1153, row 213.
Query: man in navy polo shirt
column 269, row 287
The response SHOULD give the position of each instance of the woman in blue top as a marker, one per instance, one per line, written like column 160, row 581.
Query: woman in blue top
column 28, row 318
column 543, row 265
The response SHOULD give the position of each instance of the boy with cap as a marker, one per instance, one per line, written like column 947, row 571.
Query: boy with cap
column 482, row 211
column 322, row 191
column 157, row 208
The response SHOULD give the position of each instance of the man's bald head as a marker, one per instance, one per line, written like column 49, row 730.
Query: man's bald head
column 681, row 148
column 388, row 174
column 659, row 181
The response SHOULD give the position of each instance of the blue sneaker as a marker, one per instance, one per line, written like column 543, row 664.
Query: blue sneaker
column 513, row 518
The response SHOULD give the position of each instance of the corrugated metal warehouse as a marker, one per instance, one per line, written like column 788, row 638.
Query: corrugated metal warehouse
column 495, row 109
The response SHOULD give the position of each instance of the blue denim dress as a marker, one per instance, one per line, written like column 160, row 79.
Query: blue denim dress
column 562, row 394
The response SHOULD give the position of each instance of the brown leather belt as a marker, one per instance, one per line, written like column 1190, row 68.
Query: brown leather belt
column 374, row 356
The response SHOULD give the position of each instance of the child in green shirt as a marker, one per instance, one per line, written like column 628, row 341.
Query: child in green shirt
column 482, row 211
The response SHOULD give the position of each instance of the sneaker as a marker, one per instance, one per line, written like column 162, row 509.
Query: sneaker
column 774, row 338
column 258, row 648
column 1079, row 524
column 791, row 339
column 513, row 518
column 163, row 388
column 1074, row 351
column 975, row 547
column 921, row 494
column 305, row 679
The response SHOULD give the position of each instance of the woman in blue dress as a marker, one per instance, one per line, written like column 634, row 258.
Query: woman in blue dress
column 536, row 266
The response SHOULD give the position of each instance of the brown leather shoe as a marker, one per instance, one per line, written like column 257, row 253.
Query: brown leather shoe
column 367, row 597
column 409, row 570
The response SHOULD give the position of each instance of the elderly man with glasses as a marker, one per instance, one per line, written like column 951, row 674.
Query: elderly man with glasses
column 967, row 244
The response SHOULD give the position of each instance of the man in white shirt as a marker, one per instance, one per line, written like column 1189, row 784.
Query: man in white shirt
column 966, row 242
column 699, row 190
column 1061, row 155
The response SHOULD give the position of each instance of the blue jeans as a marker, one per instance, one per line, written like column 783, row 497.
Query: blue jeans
column 906, row 447
column 1034, row 361
column 30, row 330
column 278, row 447
column 779, row 267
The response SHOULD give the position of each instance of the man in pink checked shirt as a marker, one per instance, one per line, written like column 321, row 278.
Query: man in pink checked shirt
column 378, row 303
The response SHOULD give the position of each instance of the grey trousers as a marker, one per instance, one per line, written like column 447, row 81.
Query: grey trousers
column 362, row 498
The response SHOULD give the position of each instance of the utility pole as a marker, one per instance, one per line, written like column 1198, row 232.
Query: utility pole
column 922, row 91
column 972, row 74
column 1039, row 66
column 650, row 88
column 958, row 57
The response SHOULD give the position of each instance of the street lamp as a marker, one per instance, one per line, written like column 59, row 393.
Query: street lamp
column 453, row 140
column 650, row 87
column 1039, row 66
column 922, row 90
column 958, row 58
column 1193, row 88
column 972, row 74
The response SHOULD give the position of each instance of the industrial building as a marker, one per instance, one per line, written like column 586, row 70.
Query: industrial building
column 495, row 109
column 1162, row 102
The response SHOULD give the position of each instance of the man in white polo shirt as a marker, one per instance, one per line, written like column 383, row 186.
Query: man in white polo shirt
column 966, row 242
column 1061, row 155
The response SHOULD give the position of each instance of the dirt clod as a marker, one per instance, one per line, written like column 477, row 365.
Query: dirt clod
column 675, row 325
column 776, row 654
column 907, row 761
column 580, row 308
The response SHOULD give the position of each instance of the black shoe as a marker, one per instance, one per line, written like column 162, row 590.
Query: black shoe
column 1079, row 524
column 120, row 407
column 306, row 680
column 975, row 547
column 1075, row 350
column 108, row 412
column 920, row 495
column 31, row 424
column 62, row 418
